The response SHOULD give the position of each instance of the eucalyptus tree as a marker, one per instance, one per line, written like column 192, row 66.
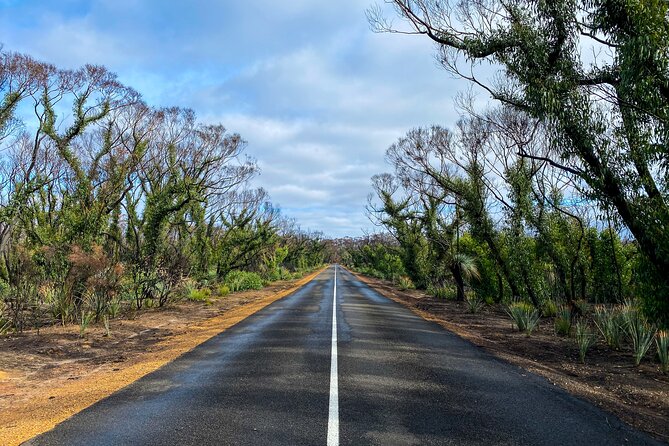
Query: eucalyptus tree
column 607, row 115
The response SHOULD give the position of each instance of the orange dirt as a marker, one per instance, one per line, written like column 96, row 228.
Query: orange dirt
column 637, row 395
column 46, row 378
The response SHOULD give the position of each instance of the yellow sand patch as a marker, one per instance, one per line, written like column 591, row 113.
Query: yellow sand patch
column 60, row 403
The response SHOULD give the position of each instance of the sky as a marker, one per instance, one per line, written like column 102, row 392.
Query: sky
column 316, row 94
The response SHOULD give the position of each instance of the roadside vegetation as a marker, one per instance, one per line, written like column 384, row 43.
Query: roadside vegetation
column 553, row 201
column 109, row 206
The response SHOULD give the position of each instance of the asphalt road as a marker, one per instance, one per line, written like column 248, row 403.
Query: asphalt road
column 390, row 378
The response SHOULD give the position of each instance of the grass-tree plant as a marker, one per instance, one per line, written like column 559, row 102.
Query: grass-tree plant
column 562, row 321
column 474, row 303
column 609, row 323
column 584, row 338
column 639, row 331
column 524, row 316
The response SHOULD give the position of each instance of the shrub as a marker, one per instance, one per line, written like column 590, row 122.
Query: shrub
column 187, row 286
column 582, row 307
column 405, row 283
column 524, row 316
column 84, row 322
column 114, row 308
column 200, row 295
column 563, row 321
column 609, row 324
column 474, row 303
column 662, row 344
column 223, row 290
column 243, row 280
column 584, row 339
column 445, row 293
column 549, row 308
column 639, row 331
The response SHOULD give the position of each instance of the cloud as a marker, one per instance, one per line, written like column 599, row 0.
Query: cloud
column 317, row 95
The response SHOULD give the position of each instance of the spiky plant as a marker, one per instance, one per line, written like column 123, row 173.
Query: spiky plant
column 474, row 303
column 584, row 339
column 609, row 323
column 662, row 344
column 467, row 265
column 525, row 317
column 639, row 331
column 563, row 321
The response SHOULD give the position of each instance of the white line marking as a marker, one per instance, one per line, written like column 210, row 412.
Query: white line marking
column 333, row 418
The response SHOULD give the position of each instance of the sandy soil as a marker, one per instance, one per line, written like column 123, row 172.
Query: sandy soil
column 637, row 395
column 45, row 378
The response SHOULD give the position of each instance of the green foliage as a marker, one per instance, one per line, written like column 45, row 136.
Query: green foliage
column 639, row 331
column 562, row 321
column 445, row 293
column 584, row 339
column 474, row 303
column 380, row 261
column 85, row 321
column 524, row 316
column 613, row 146
column 405, row 283
column 119, row 203
column 662, row 344
column 223, row 290
column 549, row 308
column 610, row 324
column 243, row 280
column 199, row 295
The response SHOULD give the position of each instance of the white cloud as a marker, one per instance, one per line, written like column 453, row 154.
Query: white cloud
column 317, row 95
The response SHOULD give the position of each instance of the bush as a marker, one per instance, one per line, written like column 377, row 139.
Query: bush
column 563, row 321
column 584, row 339
column 243, row 280
column 405, row 283
column 474, row 303
column 609, row 324
column 639, row 331
column 446, row 293
column 223, row 290
column 200, row 295
column 549, row 308
column 524, row 316
column 662, row 344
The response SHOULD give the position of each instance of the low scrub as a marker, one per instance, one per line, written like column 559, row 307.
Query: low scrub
column 610, row 324
column 563, row 321
column 243, row 280
column 524, row 316
column 639, row 331
column 584, row 339
column 662, row 344
column 474, row 303
column 445, row 293
column 549, row 308
column 405, row 283
column 199, row 295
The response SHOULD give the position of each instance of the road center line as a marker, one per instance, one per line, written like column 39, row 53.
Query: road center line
column 333, row 417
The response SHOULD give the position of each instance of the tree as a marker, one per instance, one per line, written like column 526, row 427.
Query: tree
column 607, row 118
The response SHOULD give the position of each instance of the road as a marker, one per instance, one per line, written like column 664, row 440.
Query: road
column 380, row 375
